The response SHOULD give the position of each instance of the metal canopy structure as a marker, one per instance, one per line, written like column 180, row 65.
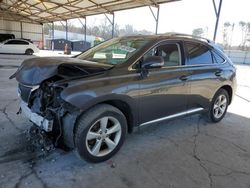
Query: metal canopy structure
column 45, row 11
column 50, row 11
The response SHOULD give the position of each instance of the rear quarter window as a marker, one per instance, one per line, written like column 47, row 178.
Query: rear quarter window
column 217, row 58
column 198, row 54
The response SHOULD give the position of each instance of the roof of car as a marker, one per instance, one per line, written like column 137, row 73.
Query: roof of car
column 173, row 36
column 19, row 39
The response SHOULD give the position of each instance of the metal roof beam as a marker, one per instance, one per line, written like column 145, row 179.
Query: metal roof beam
column 78, row 10
column 156, row 17
column 17, row 17
column 83, row 24
column 112, row 22
column 100, row 5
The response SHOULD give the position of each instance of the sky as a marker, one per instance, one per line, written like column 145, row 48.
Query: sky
column 184, row 16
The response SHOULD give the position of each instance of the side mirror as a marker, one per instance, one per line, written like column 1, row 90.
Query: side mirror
column 153, row 62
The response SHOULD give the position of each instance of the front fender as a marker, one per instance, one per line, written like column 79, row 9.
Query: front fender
column 87, row 99
column 85, row 94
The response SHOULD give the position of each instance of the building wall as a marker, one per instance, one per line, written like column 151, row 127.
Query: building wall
column 30, row 31
column 238, row 56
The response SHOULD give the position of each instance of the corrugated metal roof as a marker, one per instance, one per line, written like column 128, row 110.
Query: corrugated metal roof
column 43, row 11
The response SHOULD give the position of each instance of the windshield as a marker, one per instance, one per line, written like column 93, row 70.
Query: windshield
column 114, row 51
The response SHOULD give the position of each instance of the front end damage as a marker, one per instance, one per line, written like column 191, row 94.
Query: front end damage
column 53, row 118
column 40, row 83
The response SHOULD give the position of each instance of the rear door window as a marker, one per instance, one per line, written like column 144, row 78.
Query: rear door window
column 198, row 54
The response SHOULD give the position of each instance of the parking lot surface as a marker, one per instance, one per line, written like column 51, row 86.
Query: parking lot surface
column 186, row 152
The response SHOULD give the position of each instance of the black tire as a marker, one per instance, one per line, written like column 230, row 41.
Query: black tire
column 29, row 52
column 86, row 122
column 211, row 113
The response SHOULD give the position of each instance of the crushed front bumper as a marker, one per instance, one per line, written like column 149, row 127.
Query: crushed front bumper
column 38, row 120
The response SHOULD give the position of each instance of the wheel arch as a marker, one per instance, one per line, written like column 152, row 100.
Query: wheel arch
column 125, row 105
column 229, row 90
column 125, row 108
column 28, row 50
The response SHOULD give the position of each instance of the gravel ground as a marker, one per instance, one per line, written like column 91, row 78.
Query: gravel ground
column 187, row 152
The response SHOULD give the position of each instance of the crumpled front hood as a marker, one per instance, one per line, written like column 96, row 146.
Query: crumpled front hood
column 36, row 70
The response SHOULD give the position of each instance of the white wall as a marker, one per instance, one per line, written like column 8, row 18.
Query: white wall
column 30, row 31
column 238, row 56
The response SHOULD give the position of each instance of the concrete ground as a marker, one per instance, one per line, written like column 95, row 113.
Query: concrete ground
column 183, row 153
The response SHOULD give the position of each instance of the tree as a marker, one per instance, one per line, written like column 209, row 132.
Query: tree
column 226, row 28
column 245, row 33
column 248, row 33
column 104, row 30
column 199, row 32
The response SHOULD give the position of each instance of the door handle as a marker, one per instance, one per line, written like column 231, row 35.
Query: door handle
column 183, row 77
column 218, row 73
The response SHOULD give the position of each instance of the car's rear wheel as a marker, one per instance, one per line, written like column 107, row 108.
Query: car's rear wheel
column 100, row 132
column 219, row 105
column 29, row 52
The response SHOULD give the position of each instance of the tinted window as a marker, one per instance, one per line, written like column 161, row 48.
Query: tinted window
column 169, row 52
column 17, row 42
column 217, row 58
column 198, row 54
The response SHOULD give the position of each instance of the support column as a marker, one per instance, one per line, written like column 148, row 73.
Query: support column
column 156, row 17
column 21, row 28
column 217, row 14
column 42, row 36
column 84, row 25
column 66, row 29
column 53, row 36
column 113, row 26
column 85, row 30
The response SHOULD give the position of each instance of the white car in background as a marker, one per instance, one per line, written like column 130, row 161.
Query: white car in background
column 18, row 46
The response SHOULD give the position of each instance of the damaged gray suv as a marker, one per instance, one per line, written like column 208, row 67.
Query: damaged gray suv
column 90, row 102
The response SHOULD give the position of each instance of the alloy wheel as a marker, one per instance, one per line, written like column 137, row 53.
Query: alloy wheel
column 220, row 106
column 103, row 136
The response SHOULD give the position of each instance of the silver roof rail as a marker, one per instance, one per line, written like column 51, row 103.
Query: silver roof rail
column 190, row 36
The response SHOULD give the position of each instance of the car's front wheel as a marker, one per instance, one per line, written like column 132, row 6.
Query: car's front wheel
column 100, row 132
column 218, row 107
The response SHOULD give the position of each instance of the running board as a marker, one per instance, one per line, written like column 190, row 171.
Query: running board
column 173, row 116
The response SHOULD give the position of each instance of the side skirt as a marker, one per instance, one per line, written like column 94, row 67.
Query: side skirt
column 188, row 112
